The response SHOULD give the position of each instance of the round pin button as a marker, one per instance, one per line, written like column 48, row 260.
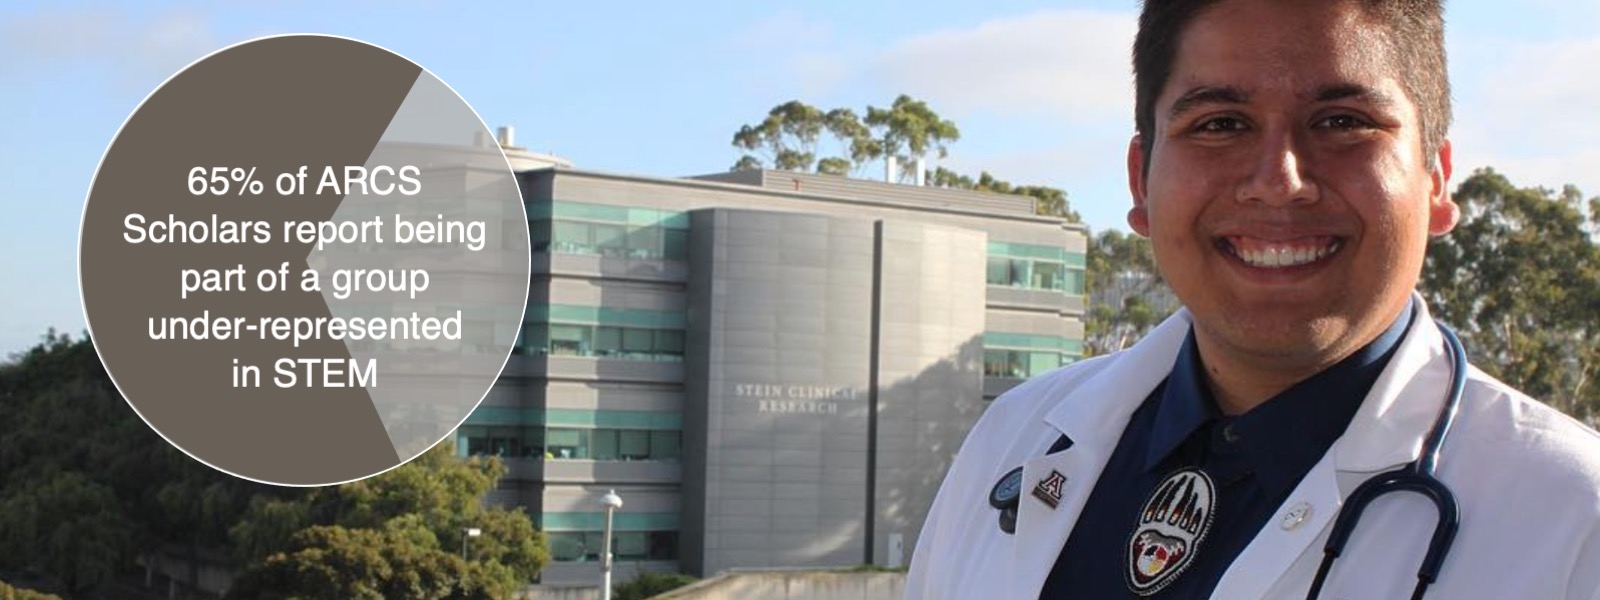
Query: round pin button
column 1005, row 492
column 1296, row 516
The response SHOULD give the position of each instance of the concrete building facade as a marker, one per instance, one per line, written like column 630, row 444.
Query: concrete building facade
column 773, row 369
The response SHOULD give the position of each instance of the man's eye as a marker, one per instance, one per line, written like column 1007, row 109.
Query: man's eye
column 1344, row 122
column 1220, row 125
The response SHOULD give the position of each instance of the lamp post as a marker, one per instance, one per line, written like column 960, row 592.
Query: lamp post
column 611, row 502
column 471, row 532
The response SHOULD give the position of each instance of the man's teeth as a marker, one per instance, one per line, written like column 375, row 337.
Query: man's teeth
column 1284, row 256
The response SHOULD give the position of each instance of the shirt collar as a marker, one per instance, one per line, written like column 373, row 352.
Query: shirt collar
column 1286, row 434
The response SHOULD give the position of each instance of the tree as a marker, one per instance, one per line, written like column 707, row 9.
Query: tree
column 908, row 130
column 402, row 560
column 423, row 505
column 1128, row 296
column 1519, row 278
column 86, row 486
column 1048, row 201
column 12, row 593
column 79, row 471
column 788, row 137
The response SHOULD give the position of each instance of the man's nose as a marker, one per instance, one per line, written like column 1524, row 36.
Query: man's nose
column 1279, row 176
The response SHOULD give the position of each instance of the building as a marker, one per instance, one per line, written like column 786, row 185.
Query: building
column 771, row 368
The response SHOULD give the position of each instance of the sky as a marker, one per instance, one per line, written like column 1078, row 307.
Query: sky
column 1041, row 91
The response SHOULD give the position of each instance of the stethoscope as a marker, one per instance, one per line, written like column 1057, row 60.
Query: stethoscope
column 1417, row 476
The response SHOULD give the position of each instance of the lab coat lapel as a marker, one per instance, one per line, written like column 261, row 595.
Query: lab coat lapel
column 1041, row 529
column 1389, row 429
column 1093, row 416
column 1386, row 432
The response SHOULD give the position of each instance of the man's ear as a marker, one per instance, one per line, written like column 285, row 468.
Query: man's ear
column 1443, row 213
column 1139, row 215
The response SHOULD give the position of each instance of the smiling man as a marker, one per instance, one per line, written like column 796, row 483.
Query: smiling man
column 1290, row 164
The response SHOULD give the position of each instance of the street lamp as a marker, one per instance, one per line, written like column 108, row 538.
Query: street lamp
column 612, row 502
column 471, row 532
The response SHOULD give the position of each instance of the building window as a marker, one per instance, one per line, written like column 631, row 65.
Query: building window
column 585, row 546
column 632, row 334
column 571, row 340
column 500, row 441
column 666, row 445
column 568, row 444
column 1035, row 267
column 608, row 444
column 1020, row 364
column 615, row 231
column 1021, row 356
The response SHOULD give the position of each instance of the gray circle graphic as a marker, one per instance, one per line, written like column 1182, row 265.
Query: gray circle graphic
column 304, row 260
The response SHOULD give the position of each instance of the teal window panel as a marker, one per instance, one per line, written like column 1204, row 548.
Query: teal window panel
column 536, row 313
column 614, row 419
column 636, row 216
column 497, row 415
column 562, row 209
column 647, row 217
column 580, row 228
column 594, row 315
column 567, row 313
column 1041, row 362
column 1077, row 259
column 1014, row 250
column 993, row 339
column 574, row 417
column 675, row 220
column 1075, row 282
column 596, row 521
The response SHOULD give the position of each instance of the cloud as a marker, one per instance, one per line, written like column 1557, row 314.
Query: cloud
column 1530, row 114
column 1070, row 64
column 134, row 46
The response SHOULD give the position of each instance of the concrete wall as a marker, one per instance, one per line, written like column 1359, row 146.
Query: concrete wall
column 929, row 373
column 794, row 585
column 783, row 302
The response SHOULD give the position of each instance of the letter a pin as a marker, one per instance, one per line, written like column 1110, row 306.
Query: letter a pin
column 1048, row 490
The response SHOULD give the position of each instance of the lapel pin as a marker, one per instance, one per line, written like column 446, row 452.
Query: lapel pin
column 1296, row 516
column 1048, row 490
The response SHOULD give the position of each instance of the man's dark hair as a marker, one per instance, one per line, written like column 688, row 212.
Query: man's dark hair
column 1415, row 33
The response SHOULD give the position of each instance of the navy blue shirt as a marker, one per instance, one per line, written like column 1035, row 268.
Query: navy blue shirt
column 1255, row 461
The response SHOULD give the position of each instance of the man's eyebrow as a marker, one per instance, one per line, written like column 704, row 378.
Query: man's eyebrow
column 1343, row 91
column 1207, row 95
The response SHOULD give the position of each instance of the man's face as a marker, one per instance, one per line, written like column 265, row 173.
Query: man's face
column 1288, row 200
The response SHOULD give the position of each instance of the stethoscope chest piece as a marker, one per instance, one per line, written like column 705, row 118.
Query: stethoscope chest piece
column 1004, row 496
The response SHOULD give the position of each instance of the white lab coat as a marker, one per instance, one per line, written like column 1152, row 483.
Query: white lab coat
column 1527, row 479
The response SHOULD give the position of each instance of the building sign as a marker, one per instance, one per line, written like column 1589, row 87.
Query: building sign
column 795, row 398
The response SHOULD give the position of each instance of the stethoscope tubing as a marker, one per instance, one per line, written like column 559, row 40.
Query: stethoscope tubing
column 1417, row 476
